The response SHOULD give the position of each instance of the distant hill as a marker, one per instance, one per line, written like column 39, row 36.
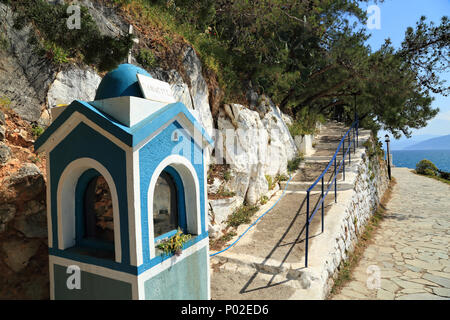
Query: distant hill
column 438, row 143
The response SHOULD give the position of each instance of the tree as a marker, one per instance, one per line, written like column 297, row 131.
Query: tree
column 311, row 61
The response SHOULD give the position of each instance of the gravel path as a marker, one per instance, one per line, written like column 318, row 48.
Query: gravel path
column 409, row 258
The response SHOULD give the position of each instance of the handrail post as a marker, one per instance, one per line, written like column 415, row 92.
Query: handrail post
column 307, row 229
column 349, row 149
column 335, row 181
column 357, row 128
column 354, row 140
column 343, row 159
column 323, row 201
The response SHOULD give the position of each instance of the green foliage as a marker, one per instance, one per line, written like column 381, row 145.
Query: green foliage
column 281, row 177
column 444, row 175
column 54, row 52
column 61, row 43
column 241, row 215
column 227, row 175
column 293, row 164
column 5, row 103
column 36, row 131
column 309, row 58
column 426, row 167
column 147, row 58
column 4, row 42
column 222, row 192
column 263, row 200
column 374, row 148
column 270, row 182
column 175, row 243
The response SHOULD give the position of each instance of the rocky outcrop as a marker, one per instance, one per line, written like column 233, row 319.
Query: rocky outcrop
column 24, row 75
column 73, row 83
column 254, row 145
column 23, row 235
column 23, row 218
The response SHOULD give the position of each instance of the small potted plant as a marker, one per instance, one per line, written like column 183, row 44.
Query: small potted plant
column 175, row 243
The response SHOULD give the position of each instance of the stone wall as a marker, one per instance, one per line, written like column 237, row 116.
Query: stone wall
column 346, row 220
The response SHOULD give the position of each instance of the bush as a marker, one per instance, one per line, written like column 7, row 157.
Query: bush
column 241, row 215
column 59, row 43
column 444, row 175
column 293, row 164
column 426, row 167
column 147, row 58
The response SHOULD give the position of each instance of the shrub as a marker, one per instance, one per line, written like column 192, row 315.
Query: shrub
column 88, row 43
column 293, row 164
column 426, row 167
column 175, row 243
column 282, row 177
column 37, row 130
column 270, row 182
column 147, row 58
column 241, row 215
column 263, row 200
column 444, row 175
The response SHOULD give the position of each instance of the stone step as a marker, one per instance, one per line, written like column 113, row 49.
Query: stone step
column 304, row 185
column 241, row 282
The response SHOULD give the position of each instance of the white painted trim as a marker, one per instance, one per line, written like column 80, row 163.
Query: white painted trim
column 128, row 110
column 66, row 203
column 49, row 203
column 101, row 271
column 137, row 208
column 206, row 226
column 209, row 270
column 71, row 123
column 51, row 272
column 205, row 191
column 134, row 208
column 169, row 263
column 185, row 123
column 192, row 196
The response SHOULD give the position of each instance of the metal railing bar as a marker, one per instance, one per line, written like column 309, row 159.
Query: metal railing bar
column 334, row 156
column 332, row 181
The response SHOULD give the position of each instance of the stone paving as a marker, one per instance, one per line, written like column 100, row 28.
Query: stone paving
column 409, row 258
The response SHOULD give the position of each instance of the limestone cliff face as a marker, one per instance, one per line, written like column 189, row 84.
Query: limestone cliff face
column 30, row 84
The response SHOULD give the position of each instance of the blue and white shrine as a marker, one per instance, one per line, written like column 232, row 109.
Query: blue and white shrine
column 125, row 172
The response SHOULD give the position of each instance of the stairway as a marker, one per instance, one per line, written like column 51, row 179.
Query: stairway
column 264, row 264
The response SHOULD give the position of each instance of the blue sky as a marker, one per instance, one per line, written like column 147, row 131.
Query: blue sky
column 396, row 16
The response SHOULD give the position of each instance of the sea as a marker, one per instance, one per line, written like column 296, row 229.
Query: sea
column 409, row 158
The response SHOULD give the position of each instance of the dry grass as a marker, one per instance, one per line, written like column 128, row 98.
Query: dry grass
column 364, row 240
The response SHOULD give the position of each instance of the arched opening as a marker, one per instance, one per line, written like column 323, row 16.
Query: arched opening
column 165, row 205
column 94, row 216
column 98, row 211
column 185, row 195
column 88, row 211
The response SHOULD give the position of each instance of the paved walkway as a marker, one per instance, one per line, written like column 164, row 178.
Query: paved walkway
column 410, row 253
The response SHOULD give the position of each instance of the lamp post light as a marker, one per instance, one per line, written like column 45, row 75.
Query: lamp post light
column 388, row 155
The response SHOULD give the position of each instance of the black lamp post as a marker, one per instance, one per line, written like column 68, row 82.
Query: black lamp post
column 388, row 156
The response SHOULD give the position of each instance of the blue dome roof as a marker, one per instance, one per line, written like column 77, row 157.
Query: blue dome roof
column 121, row 82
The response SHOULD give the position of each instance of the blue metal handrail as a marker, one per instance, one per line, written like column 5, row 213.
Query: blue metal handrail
column 353, row 129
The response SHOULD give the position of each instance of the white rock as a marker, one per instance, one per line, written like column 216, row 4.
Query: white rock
column 304, row 144
column 73, row 84
column 222, row 208
column 198, row 89
column 215, row 186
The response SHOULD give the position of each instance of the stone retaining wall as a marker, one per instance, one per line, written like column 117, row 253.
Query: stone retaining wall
column 346, row 219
